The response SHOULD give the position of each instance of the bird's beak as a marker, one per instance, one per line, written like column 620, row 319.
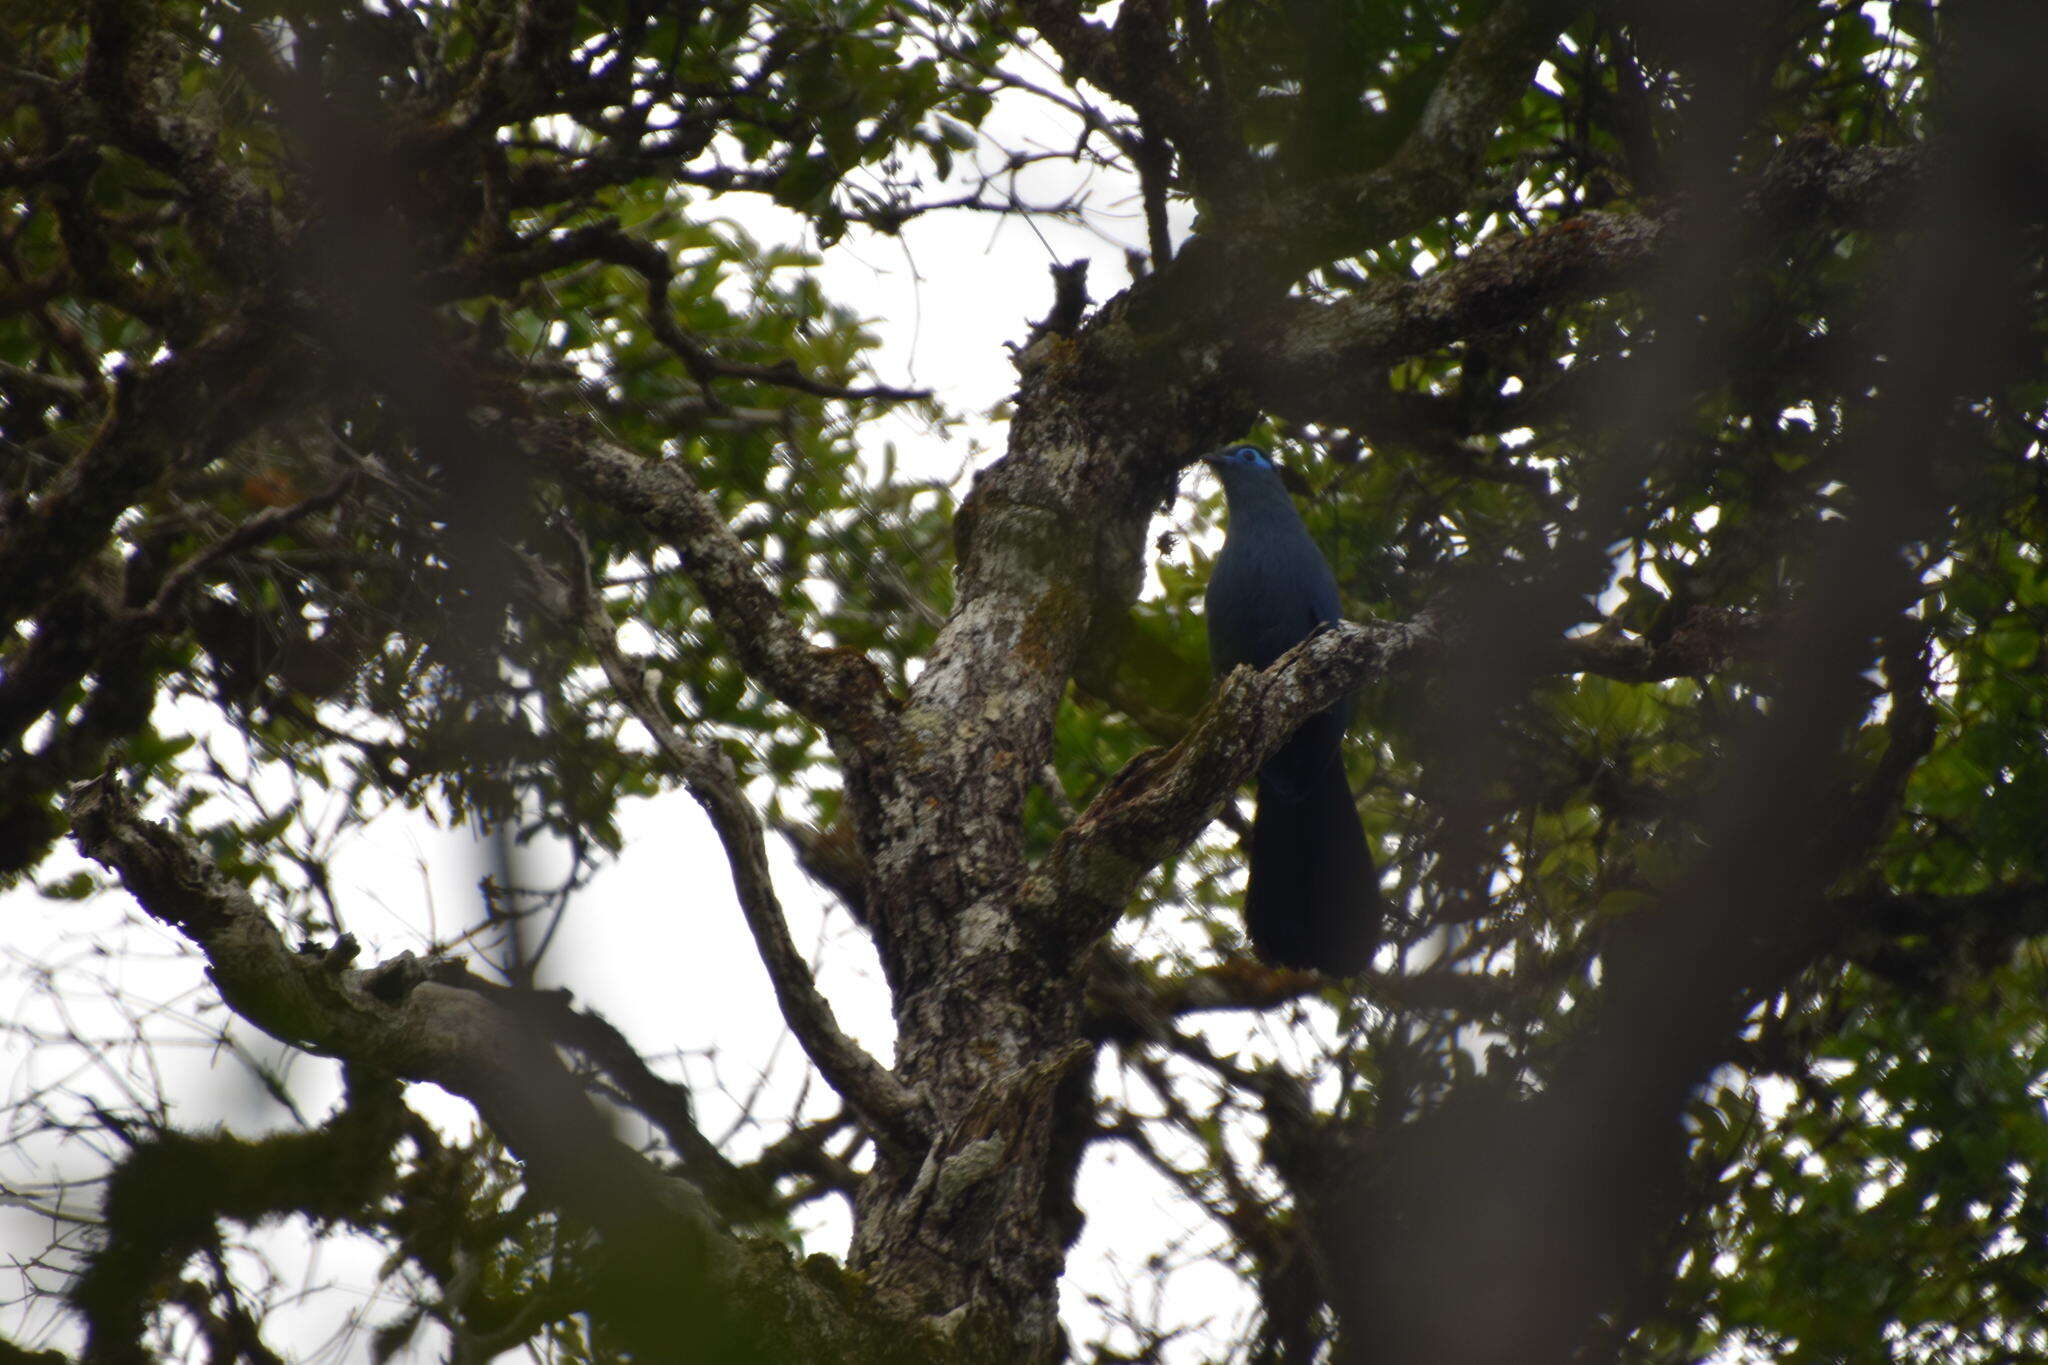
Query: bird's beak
column 1213, row 459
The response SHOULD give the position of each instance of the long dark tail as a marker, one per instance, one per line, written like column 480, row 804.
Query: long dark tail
column 1312, row 898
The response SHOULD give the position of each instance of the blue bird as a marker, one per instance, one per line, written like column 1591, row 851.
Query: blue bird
column 1312, row 898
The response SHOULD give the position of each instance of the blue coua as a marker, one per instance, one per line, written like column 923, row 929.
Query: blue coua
column 1312, row 898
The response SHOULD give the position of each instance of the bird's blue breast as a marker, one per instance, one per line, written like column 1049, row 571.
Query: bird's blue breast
column 1270, row 588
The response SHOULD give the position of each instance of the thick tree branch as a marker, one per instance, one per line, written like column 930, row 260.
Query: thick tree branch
column 677, row 1279
column 892, row 1110
column 1256, row 250
column 837, row 689
column 1321, row 362
column 1161, row 801
column 429, row 1031
column 802, row 1151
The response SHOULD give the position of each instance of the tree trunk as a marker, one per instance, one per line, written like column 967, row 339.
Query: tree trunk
column 988, row 985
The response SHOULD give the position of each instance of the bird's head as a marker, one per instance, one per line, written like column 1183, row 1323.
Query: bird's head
column 1243, row 468
column 1238, row 457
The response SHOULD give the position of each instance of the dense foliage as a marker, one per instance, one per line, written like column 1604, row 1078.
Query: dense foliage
column 395, row 416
